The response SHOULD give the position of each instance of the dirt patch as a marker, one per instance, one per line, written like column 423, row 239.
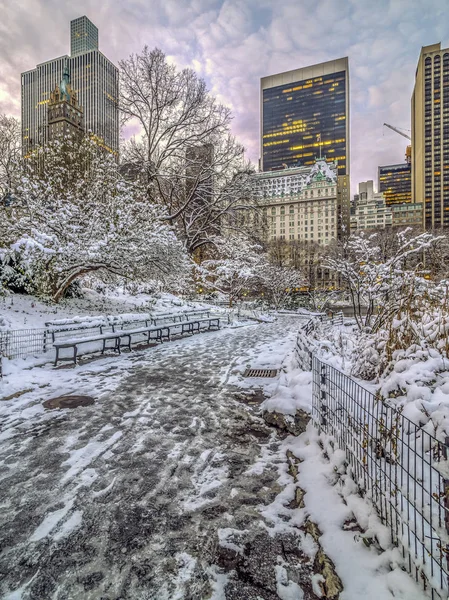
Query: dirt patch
column 16, row 395
column 69, row 402
column 251, row 398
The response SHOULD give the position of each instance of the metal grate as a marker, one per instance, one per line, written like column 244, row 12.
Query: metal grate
column 260, row 373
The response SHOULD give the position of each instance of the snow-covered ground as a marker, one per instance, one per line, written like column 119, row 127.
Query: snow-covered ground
column 26, row 312
column 172, row 486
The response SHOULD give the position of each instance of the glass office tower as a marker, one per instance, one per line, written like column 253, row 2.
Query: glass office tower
column 94, row 79
column 305, row 115
column 83, row 36
column 395, row 182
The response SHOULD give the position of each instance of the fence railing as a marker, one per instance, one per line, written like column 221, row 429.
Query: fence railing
column 402, row 468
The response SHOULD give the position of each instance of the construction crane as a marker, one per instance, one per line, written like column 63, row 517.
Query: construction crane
column 398, row 131
column 408, row 150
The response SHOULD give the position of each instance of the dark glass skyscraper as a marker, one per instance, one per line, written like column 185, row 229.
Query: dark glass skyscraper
column 395, row 182
column 305, row 114
column 94, row 79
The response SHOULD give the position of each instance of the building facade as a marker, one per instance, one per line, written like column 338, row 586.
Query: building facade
column 430, row 136
column 370, row 211
column 300, row 208
column 395, row 183
column 93, row 78
column 83, row 36
column 407, row 215
column 300, row 204
column 305, row 116
column 64, row 114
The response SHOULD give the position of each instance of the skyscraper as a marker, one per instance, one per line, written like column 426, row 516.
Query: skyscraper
column 305, row 116
column 93, row 78
column 430, row 136
column 395, row 182
column 83, row 36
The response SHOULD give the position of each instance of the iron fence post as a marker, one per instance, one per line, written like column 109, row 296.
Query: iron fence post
column 323, row 408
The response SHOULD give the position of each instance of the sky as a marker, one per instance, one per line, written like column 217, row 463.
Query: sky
column 233, row 43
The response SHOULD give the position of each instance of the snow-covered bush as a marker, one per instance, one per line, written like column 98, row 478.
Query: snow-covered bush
column 380, row 284
column 74, row 215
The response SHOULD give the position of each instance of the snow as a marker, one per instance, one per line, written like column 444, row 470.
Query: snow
column 26, row 312
column 50, row 522
column 226, row 536
column 175, row 429
column 365, row 572
column 286, row 589
column 72, row 523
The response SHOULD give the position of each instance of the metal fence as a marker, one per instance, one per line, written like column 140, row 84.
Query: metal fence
column 396, row 463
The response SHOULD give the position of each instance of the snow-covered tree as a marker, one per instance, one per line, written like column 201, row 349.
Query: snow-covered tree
column 10, row 146
column 279, row 282
column 236, row 268
column 75, row 215
column 380, row 283
column 185, row 157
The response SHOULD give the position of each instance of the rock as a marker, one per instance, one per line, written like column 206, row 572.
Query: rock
column 332, row 582
column 299, row 497
column 294, row 425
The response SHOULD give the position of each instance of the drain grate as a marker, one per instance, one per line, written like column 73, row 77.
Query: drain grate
column 260, row 373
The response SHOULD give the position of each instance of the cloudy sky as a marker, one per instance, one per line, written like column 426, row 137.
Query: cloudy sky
column 232, row 43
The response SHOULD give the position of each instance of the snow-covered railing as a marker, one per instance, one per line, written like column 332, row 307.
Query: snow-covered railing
column 401, row 467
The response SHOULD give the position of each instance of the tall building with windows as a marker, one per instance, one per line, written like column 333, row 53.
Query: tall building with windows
column 64, row 115
column 83, row 36
column 370, row 210
column 395, row 183
column 305, row 117
column 94, row 79
column 430, row 136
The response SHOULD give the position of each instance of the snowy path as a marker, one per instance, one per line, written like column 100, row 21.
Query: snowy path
column 128, row 498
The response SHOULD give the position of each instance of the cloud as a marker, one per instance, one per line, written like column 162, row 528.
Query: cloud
column 232, row 43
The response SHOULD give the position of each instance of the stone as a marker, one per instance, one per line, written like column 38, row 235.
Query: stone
column 294, row 425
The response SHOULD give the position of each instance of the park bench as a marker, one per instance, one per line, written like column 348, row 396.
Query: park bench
column 117, row 336
column 195, row 324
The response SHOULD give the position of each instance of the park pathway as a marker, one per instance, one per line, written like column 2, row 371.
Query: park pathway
column 155, row 491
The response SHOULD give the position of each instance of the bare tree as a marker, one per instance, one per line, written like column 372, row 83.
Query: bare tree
column 10, row 146
column 186, row 159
